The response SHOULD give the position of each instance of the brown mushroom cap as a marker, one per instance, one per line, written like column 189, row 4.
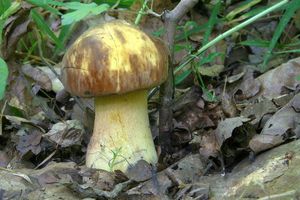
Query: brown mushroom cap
column 114, row 58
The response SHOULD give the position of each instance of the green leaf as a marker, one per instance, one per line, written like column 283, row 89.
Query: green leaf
column 14, row 7
column 44, row 4
column 82, row 11
column 256, row 43
column 122, row 4
column 2, row 22
column 3, row 77
column 44, row 27
column 79, row 6
column 4, row 5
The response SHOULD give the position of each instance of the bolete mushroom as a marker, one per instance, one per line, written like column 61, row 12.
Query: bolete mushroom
column 117, row 63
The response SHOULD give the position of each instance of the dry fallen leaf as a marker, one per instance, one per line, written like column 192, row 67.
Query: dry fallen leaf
column 66, row 133
column 225, row 128
column 37, row 76
column 29, row 140
column 280, row 80
column 280, row 127
column 257, row 110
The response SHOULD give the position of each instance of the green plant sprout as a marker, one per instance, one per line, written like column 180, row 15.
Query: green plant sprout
column 112, row 162
column 141, row 12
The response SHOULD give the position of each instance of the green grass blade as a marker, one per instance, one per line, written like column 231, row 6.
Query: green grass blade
column 4, row 5
column 3, row 77
column 122, row 4
column 288, row 14
column 179, row 78
column 213, row 19
column 44, row 4
column 44, row 27
column 288, row 51
column 64, row 34
column 256, row 43
column 244, row 6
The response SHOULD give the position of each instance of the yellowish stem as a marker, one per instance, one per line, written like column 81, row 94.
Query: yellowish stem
column 122, row 133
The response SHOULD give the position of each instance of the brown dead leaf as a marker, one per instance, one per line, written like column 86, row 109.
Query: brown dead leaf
column 257, row 110
column 56, row 84
column 212, row 71
column 193, row 191
column 228, row 106
column 189, row 112
column 280, row 127
column 18, row 94
column 283, row 100
column 66, row 133
column 141, row 171
column 16, row 26
column 248, row 88
column 237, row 76
column 192, row 96
column 29, row 140
column 183, row 172
column 280, row 80
column 12, row 182
column 208, row 145
column 233, row 136
column 158, row 185
column 99, row 184
column 225, row 128
column 85, row 115
column 38, row 76
column 186, row 170
column 181, row 134
column 4, row 159
column 53, row 192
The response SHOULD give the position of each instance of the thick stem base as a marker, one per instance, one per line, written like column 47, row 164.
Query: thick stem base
column 122, row 133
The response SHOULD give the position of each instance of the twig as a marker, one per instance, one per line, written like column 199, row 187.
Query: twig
column 115, row 192
column 171, row 18
column 1, row 115
column 288, row 194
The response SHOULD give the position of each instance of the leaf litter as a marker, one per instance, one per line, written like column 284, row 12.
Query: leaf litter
column 45, row 131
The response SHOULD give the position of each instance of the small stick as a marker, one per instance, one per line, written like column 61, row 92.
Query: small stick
column 171, row 18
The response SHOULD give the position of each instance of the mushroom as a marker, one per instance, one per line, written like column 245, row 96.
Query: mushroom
column 117, row 63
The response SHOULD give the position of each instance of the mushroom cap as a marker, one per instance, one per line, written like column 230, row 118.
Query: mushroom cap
column 114, row 58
